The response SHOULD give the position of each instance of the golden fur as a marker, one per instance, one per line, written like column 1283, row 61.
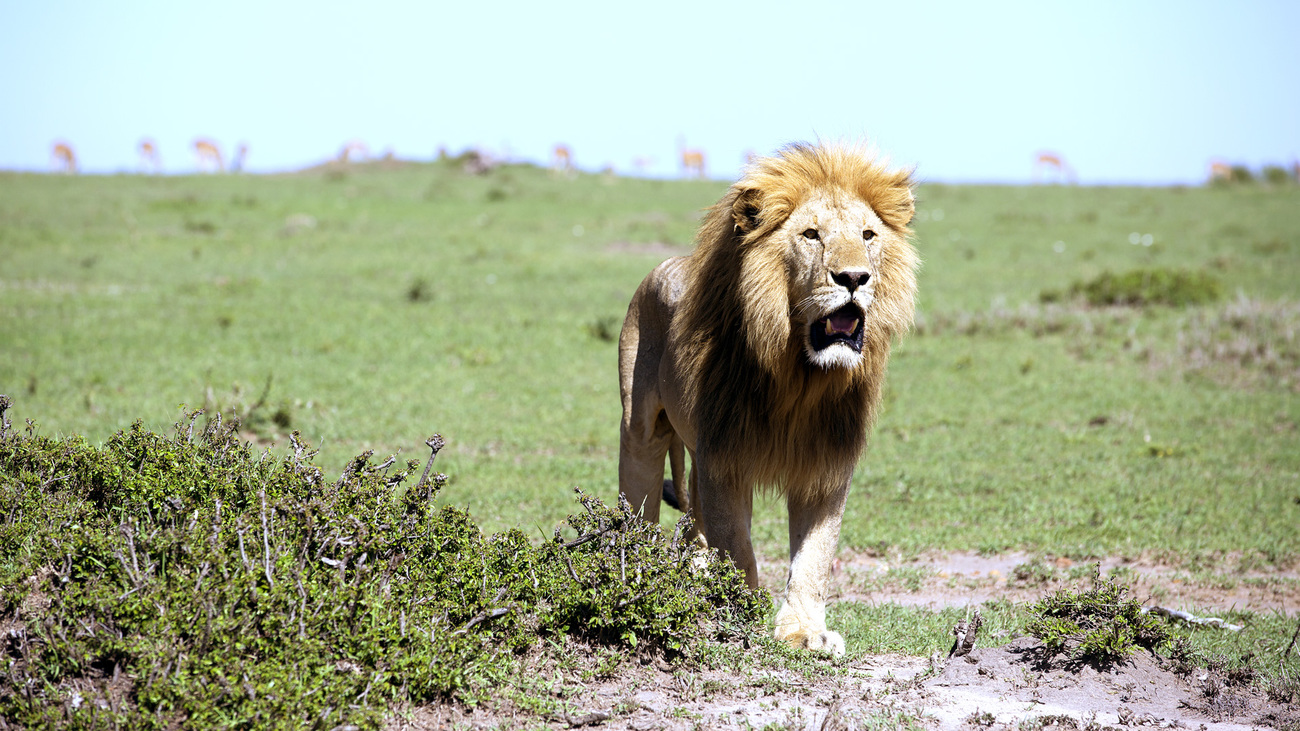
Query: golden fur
column 721, row 353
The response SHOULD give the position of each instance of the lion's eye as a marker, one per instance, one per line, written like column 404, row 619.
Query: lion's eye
column 868, row 235
column 812, row 234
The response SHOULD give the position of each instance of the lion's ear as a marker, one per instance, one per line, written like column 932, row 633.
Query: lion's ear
column 745, row 210
column 909, row 206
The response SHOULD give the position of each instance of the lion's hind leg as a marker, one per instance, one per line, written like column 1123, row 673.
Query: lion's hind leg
column 675, row 494
column 643, row 446
column 678, row 496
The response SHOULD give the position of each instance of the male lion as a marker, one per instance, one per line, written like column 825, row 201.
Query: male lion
column 763, row 352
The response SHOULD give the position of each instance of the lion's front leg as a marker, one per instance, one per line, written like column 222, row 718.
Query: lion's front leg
column 814, row 534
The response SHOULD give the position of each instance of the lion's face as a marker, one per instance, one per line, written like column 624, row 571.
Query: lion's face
column 832, row 244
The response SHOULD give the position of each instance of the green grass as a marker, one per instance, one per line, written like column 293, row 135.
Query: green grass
column 1007, row 424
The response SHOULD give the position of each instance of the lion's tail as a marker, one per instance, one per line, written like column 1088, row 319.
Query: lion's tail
column 675, row 489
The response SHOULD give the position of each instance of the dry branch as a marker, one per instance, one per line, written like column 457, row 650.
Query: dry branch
column 965, row 634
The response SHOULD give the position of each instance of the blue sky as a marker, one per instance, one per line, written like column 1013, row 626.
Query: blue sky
column 1127, row 92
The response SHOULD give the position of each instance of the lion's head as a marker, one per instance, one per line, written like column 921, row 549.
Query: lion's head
column 824, row 236
column 813, row 246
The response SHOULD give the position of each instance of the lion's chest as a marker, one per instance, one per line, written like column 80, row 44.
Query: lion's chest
column 782, row 437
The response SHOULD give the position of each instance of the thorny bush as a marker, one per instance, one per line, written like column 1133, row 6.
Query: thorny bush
column 157, row 582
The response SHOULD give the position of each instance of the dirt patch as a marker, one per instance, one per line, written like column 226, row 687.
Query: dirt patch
column 967, row 579
column 1010, row 687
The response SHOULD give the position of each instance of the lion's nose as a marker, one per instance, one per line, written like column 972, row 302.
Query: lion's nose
column 851, row 279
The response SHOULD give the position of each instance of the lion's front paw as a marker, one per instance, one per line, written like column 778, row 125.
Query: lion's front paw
column 826, row 641
column 816, row 640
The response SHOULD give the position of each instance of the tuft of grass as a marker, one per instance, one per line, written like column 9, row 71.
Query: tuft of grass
column 1277, row 175
column 605, row 328
column 259, row 417
column 419, row 290
column 1244, row 340
column 1033, row 573
column 889, row 627
column 1155, row 286
column 1097, row 626
column 189, row 581
column 1240, row 174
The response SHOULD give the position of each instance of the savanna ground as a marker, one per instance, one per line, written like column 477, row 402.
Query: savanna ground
column 1030, row 429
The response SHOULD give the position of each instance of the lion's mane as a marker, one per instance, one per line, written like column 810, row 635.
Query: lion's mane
column 765, row 415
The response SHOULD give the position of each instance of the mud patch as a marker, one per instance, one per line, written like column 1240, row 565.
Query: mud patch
column 966, row 579
column 1011, row 687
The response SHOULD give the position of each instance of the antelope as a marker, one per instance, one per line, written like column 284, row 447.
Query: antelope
column 693, row 163
column 149, row 158
column 1051, row 161
column 354, row 151
column 208, row 154
column 237, row 162
column 63, row 158
column 562, row 160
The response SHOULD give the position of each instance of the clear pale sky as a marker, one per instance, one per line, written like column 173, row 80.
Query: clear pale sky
column 1127, row 92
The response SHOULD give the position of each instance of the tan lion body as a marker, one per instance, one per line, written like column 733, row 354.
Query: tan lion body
column 763, row 354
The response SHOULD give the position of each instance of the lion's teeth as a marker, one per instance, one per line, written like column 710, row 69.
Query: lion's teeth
column 855, row 325
column 829, row 329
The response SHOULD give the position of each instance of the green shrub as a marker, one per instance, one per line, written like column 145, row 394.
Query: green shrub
column 1149, row 287
column 1097, row 626
column 189, row 581
column 1277, row 175
column 1240, row 174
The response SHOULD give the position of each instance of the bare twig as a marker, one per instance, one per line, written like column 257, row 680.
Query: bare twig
column 130, row 542
column 965, row 634
column 968, row 642
column 1294, row 636
column 302, row 609
column 5, row 403
column 194, row 416
column 1192, row 618
column 266, row 543
column 625, row 602
column 481, row 616
column 242, row 554
column 203, row 572
column 589, row 537
column 572, row 573
column 53, row 480
column 129, row 573
column 435, row 443
column 298, row 448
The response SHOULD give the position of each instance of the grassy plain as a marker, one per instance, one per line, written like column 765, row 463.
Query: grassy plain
column 371, row 306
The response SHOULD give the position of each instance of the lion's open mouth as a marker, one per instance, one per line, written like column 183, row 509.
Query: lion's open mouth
column 843, row 326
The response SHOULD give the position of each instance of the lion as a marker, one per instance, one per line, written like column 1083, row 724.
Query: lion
column 762, row 354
